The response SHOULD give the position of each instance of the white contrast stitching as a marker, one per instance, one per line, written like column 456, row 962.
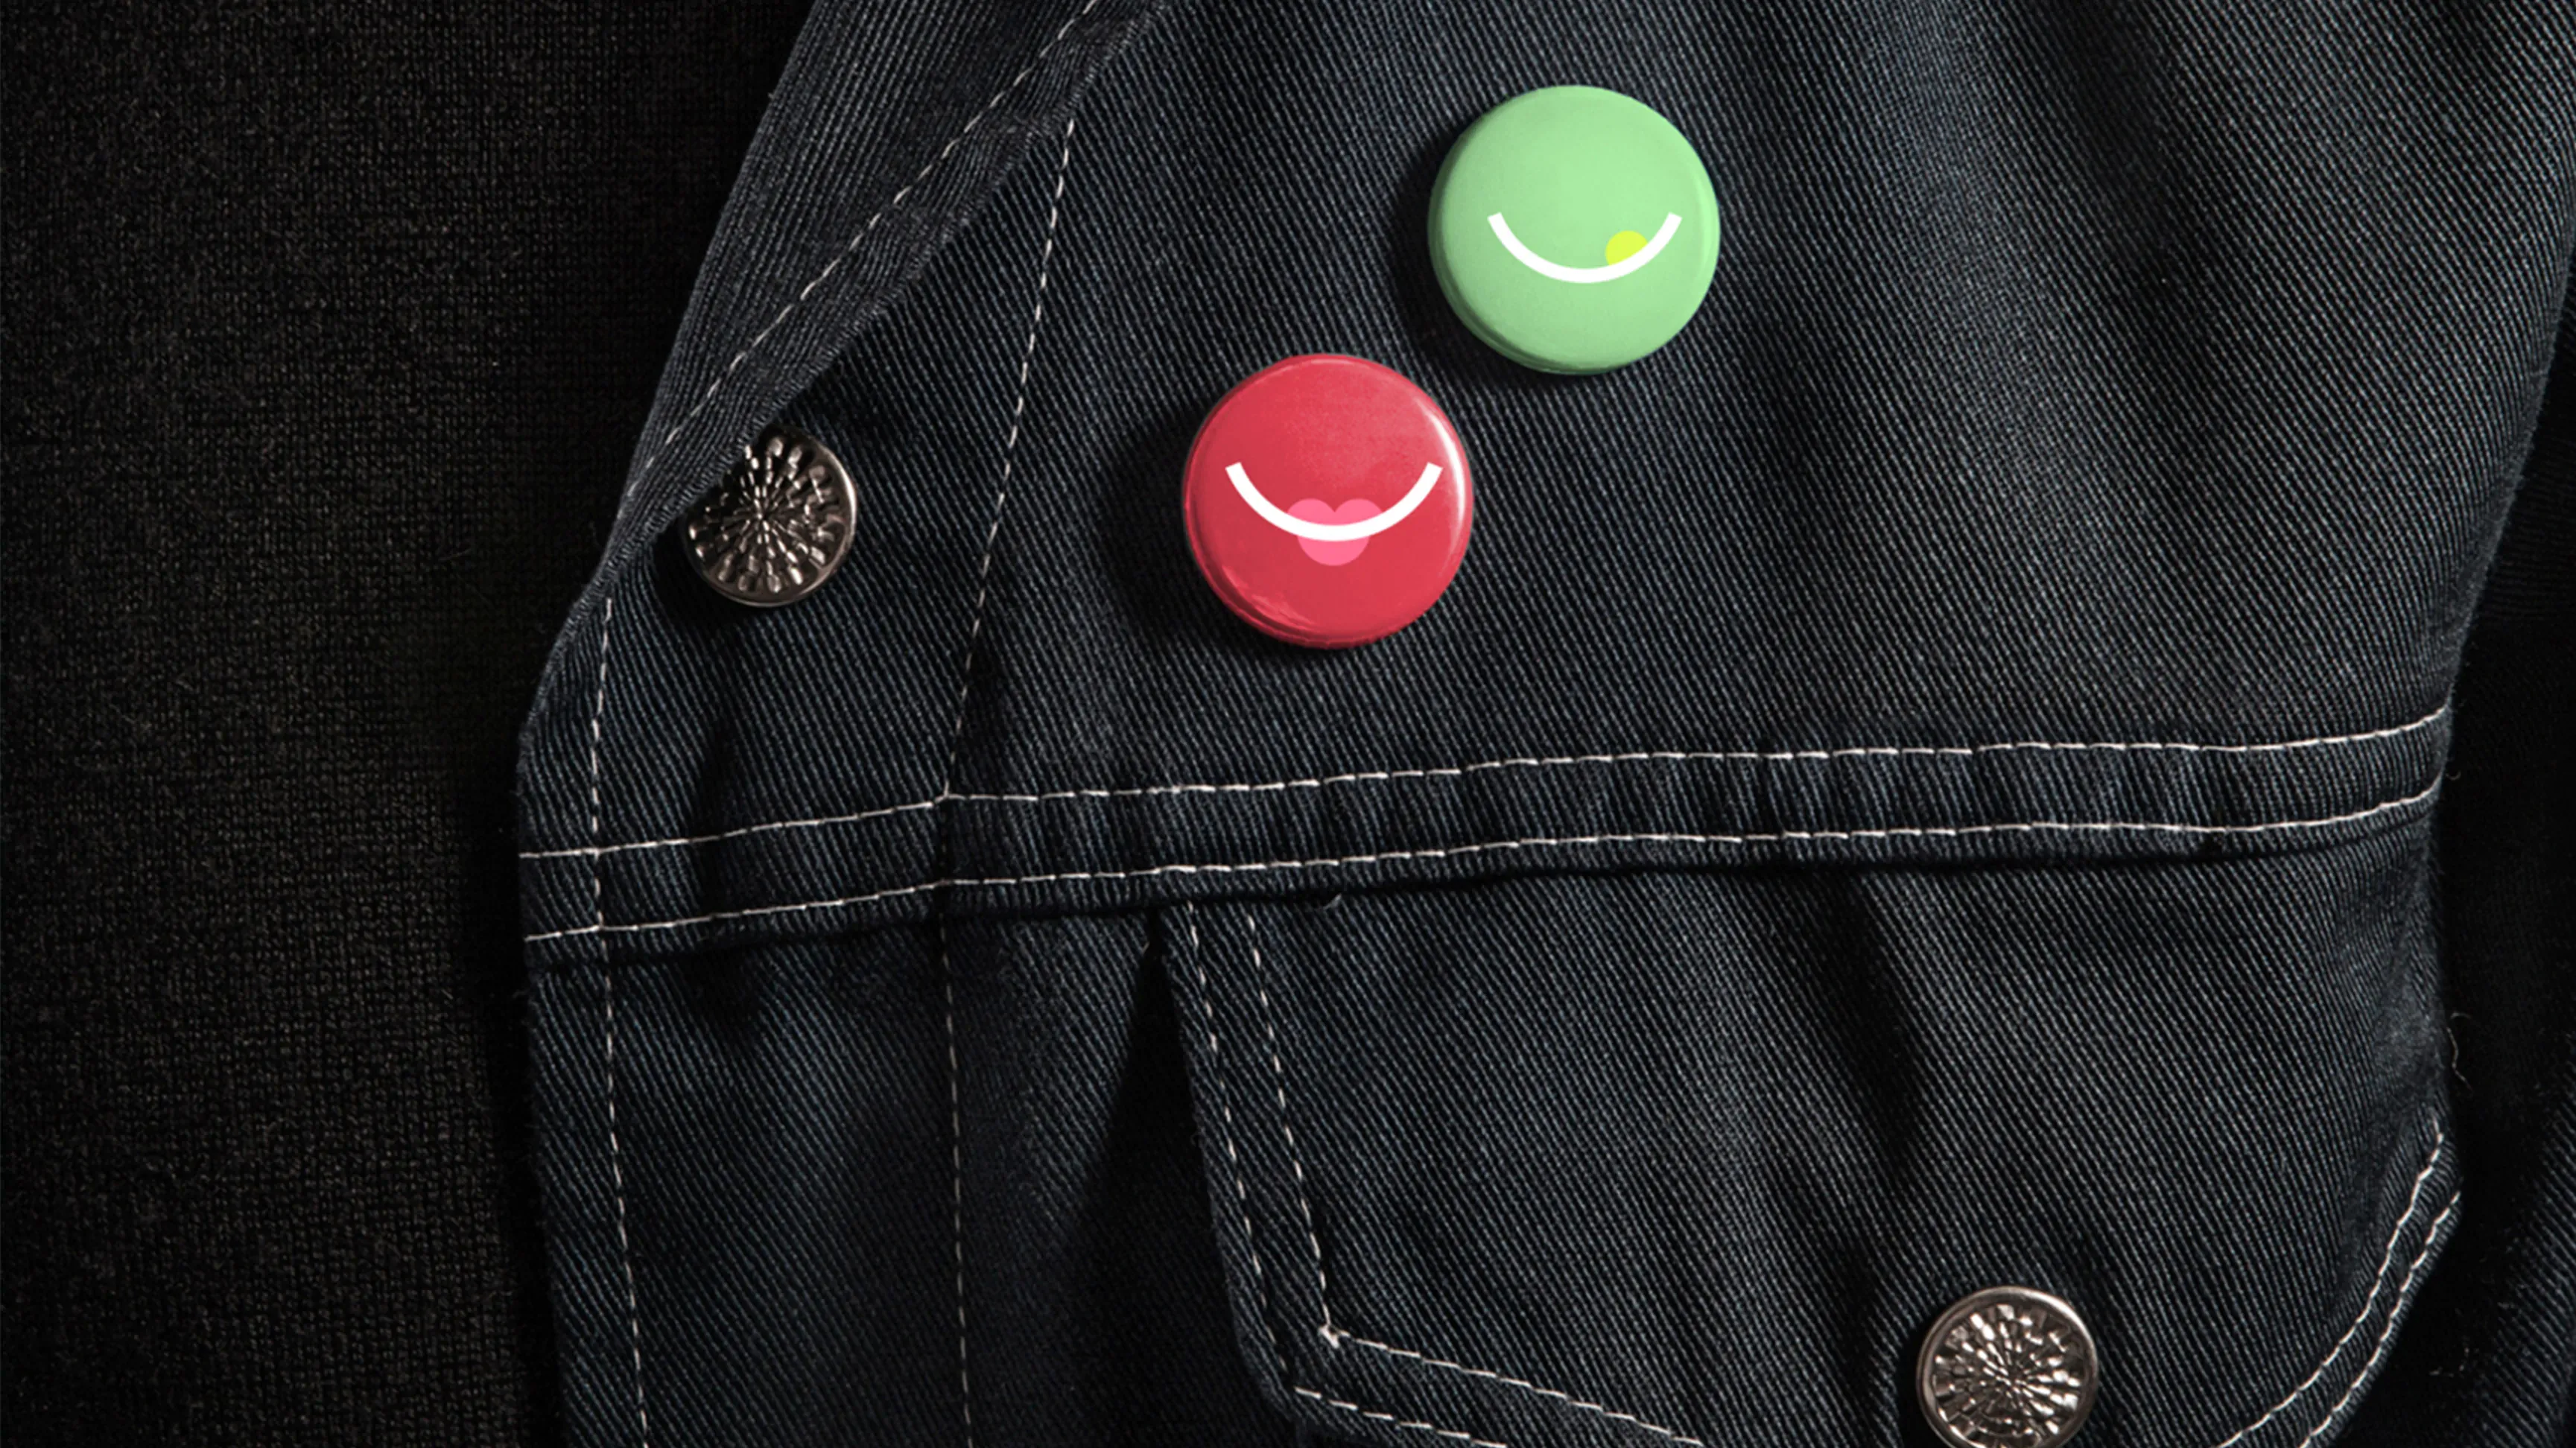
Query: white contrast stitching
column 862, row 816
column 1508, row 1381
column 1542, row 842
column 1335, row 1337
column 2379, row 1281
column 1002, row 488
column 2387, row 1329
column 2388, row 1259
column 956, row 1180
column 1296, row 1168
column 608, row 1041
column 807, row 291
column 956, row 736
column 1233, row 1162
column 1456, row 771
column 1757, row 756
column 1390, row 1419
column 599, row 712
column 1243, row 1213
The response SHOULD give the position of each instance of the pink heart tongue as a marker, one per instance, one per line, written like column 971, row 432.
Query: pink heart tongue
column 1333, row 555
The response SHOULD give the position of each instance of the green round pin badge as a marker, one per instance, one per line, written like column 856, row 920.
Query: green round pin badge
column 1574, row 229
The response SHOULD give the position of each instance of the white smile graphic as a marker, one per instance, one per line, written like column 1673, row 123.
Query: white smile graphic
column 1610, row 273
column 1286, row 522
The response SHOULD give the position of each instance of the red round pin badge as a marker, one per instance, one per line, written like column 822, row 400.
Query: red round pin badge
column 1327, row 501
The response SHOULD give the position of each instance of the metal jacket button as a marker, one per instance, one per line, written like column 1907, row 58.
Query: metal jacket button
column 1327, row 501
column 779, row 523
column 2007, row 1367
column 1574, row 229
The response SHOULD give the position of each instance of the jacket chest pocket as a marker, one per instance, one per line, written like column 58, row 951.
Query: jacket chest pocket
column 1696, row 1157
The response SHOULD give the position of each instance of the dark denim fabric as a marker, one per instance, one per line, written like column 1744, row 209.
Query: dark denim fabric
column 1926, row 782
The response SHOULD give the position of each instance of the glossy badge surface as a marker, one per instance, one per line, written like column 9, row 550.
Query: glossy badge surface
column 1574, row 229
column 1327, row 501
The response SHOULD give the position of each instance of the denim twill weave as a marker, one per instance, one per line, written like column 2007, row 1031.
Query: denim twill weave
column 1925, row 782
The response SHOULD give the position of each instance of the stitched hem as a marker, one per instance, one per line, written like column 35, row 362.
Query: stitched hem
column 2387, row 1331
column 1531, row 762
column 2426, row 1246
column 1636, row 848
column 2378, row 1284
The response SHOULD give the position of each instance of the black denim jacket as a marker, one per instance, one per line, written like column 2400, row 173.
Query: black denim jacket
column 1930, row 781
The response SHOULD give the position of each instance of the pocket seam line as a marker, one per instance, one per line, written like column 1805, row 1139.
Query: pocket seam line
column 1233, row 1160
column 1335, row 1338
column 1417, row 1425
column 1296, row 1167
column 2387, row 1329
column 2379, row 1281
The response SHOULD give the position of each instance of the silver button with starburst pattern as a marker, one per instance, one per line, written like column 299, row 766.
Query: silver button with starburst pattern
column 2007, row 1367
column 777, row 525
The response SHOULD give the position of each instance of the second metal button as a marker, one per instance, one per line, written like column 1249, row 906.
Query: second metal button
column 779, row 523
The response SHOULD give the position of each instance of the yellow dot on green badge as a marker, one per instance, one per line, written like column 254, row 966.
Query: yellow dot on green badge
column 1573, row 229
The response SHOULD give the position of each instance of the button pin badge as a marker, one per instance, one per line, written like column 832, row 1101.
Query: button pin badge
column 779, row 523
column 1327, row 501
column 1574, row 229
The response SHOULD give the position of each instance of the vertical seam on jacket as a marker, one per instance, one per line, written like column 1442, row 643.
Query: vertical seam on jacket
column 1002, row 488
column 1296, row 1168
column 608, row 1041
column 956, row 1181
column 1233, row 1161
column 948, row 788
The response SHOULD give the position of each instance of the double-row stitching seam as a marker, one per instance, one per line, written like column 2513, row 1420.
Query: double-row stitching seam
column 1458, row 771
column 2387, row 1261
column 1337, row 1338
column 2387, row 1329
column 608, row 1041
column 2378, row 1283
column 806, row 292
column 1385, row 857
